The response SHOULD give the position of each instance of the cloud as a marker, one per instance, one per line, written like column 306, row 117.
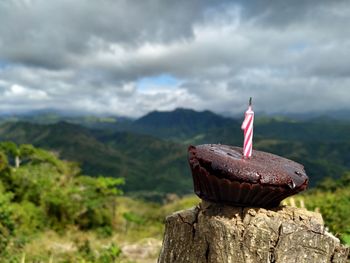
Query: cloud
column 55, row 34
column 99, row 56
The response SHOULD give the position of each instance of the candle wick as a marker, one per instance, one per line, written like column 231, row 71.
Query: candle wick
column 250, row 101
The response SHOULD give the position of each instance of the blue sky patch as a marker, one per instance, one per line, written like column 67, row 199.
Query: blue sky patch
column 3, row 64
column 165, row 80
column 298, row 47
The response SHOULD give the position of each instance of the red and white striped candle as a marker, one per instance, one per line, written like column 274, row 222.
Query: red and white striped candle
column 247, row 126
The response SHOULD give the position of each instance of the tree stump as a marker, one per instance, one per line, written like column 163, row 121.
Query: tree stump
column 216, row 233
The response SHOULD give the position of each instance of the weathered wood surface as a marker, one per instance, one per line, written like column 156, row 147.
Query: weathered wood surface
column 215, row 233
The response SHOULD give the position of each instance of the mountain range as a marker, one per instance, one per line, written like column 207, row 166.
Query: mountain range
column 151, row 152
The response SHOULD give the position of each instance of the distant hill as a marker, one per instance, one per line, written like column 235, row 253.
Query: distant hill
column 183, row 118
column 52, row 117
column 150, row 152
column 178, row 124
column 323, row 147
column 343, row 115
column 147, row 163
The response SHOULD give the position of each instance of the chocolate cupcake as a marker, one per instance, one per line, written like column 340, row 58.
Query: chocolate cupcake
column 221, row 174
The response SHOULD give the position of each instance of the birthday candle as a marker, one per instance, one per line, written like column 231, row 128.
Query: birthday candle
column 247, row 126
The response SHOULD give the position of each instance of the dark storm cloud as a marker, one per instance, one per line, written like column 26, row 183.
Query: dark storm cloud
column 277, row 13
column 56, row 33
column 90, row 55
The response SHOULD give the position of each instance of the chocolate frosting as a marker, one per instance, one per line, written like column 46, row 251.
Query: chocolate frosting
column 262, row 168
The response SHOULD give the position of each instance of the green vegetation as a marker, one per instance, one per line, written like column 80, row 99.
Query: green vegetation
column 151, row 152
column 46, row 193
column 51, row 210
column 178, row 125
column 332, row 199
column 146, row 163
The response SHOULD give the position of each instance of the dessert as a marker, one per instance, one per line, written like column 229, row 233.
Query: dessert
column 221, row 174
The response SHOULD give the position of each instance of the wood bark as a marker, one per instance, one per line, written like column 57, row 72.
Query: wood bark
column 216, row 233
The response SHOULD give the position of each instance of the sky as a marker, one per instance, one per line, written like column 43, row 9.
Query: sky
column 129, row 57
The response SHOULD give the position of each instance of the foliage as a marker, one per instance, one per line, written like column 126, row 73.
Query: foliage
column 146, row 163
column 133, row 218
column 151, row 152
column 110, row 254
column 332, row 198
column 28, row 218
column 45, row 192
column 3, row 162
column 6, row 223
column 179, row 124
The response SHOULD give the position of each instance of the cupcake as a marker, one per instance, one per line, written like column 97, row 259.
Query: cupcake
column 220, row 174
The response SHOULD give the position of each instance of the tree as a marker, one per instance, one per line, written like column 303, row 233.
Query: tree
column 11, row 149
column 6, row 222
column 3, row 161
column 17, row 152
column 97, row 203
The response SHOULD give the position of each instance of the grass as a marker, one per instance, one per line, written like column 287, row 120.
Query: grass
column 138, row 236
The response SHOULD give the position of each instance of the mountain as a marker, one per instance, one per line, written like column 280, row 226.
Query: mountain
column 148, row 164
column 343, row 114
column 179, row 124
column 150, row 152
column 323, row 147
column 182, row 119
column 110, row 122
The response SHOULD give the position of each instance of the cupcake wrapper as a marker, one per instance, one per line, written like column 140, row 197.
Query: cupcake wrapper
column 221, row 190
